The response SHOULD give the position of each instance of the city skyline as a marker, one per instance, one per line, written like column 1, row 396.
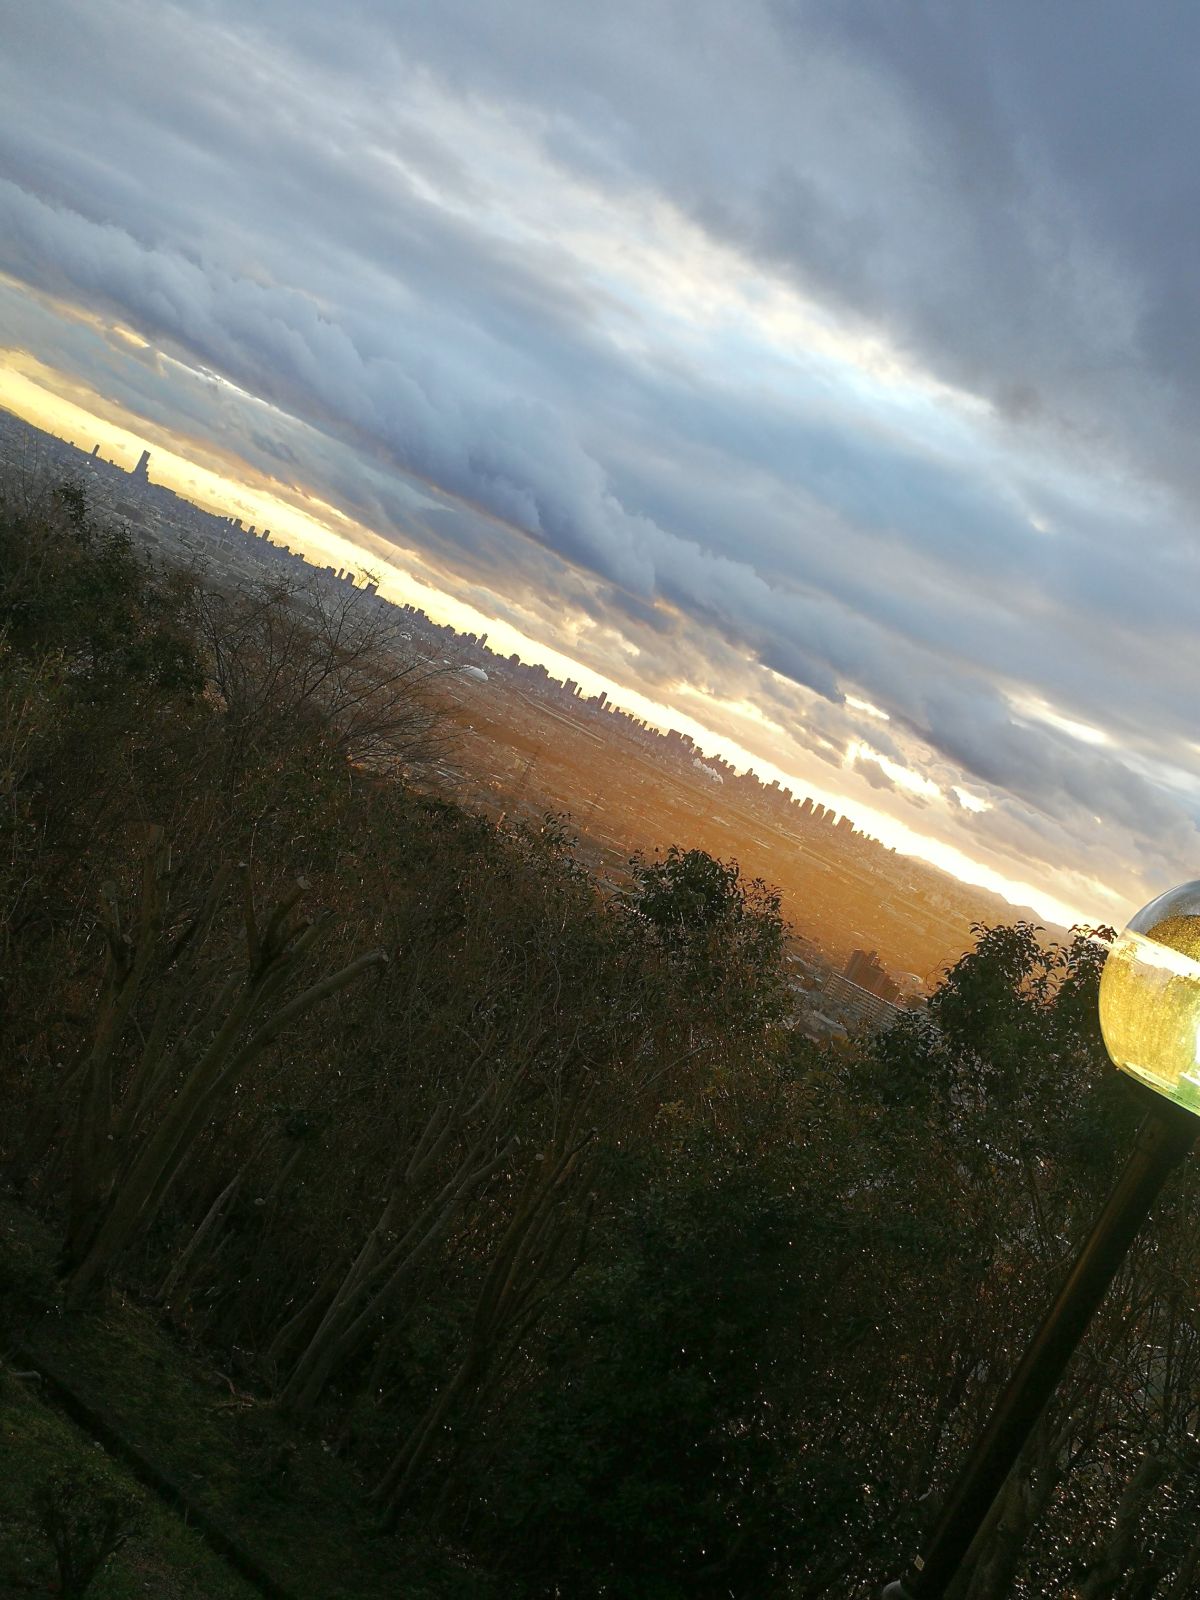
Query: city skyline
column 626, row 787
column 825, row 390
column 313, row 541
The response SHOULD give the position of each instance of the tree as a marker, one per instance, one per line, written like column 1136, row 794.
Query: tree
column 300, row 663
column 722, row 937
column 71, row 585
column 134, row 1129
column 86, row 1518
column 661, row 1460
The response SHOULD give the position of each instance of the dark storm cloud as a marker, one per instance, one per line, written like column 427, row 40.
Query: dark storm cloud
column 320, row 205
column 989, row 182
column 873, row 773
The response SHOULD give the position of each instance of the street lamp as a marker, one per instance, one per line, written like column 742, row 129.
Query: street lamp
column 1150, row 1018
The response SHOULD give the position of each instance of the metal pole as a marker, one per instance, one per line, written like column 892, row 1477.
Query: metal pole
column 1165, row 1137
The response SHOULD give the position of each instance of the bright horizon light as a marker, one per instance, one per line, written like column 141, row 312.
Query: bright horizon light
column 230, row 487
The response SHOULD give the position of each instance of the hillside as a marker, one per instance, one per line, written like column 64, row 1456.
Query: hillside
column 428, row 1213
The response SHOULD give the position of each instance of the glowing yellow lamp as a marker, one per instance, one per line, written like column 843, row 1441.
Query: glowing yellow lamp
column 1150, row 996
column 1150, row 1016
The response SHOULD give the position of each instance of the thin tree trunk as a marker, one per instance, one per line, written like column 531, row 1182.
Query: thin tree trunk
column 138, row 1191
column 1121, row 1549
column 179, row 1275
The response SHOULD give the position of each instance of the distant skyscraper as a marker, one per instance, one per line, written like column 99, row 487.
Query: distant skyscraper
column 860, row 963
column 142, row 470
column 863, row 968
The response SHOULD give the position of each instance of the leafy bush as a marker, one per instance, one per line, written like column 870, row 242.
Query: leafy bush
column 86, row 1516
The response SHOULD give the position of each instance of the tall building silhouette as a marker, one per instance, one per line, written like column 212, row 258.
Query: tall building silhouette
column 864, row 969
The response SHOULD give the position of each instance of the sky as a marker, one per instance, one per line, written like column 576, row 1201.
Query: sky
column 822, row 378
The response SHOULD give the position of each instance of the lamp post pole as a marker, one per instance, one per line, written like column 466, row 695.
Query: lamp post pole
column 1164, row 1139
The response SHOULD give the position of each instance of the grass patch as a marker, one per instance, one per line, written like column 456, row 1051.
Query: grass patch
column 164, row 1559
column 285, row 1497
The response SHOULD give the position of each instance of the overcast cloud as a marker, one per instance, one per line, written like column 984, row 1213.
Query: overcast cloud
column 831, row 361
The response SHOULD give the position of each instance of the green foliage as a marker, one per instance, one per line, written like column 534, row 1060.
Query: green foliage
column 1011, row 1040
column 1013, row 999
column 69, row 585
column 722, row 936
column 662, row 1461
column 689, row 899
column 86, row 1517
column 38, row 1447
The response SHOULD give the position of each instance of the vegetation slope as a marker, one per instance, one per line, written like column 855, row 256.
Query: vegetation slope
column 514, row 1194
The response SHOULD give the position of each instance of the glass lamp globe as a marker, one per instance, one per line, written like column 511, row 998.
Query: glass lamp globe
column 1150, row 996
